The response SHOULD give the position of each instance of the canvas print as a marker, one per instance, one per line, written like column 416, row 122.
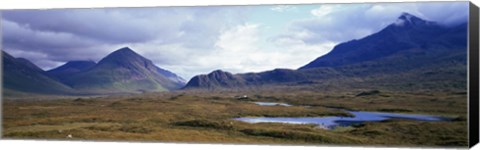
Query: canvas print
column 361, row 74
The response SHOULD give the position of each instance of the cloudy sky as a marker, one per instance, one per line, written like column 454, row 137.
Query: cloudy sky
column 197, row 40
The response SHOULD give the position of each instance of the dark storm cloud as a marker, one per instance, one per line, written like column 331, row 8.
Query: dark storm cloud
column 61, row 35
column 46, row 48
column 111, row 26
column 22, row 37
column 123, row 25
column 78, row 34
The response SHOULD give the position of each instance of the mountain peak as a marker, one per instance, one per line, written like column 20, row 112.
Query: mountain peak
column 215, row 79
column 122, row 55
column 406, row 15
column 407, row 19
column 123, row 67
column 217, row 71
column 408, row 32
column 125, row 50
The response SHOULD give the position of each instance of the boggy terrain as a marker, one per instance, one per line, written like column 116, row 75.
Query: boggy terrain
column 207, row 117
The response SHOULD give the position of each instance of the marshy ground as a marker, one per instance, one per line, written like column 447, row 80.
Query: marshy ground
column 207, row 117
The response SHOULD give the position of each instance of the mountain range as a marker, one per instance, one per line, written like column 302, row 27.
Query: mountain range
column 22, row 76
column 122, row 71
column 70, row 68
column 410, row 53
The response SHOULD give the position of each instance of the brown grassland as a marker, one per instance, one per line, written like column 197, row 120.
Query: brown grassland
column 206, row 117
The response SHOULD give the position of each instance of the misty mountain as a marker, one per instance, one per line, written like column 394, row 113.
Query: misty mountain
column 409, row 52
column 408, row 32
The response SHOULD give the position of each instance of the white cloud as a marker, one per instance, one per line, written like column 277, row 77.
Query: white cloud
column 238, row 49
column 324, row 10
column 283, row 8
column 239, row 38
column 298, row 53
column 235, row 50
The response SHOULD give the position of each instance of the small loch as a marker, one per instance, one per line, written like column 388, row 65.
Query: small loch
column 271, row 104
column 335, row 121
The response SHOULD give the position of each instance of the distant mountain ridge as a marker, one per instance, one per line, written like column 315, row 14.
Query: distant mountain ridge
column 219, row 79
column 216, row 79
column 20, row 75
column 407, row 32
column 125, row 71
column 409, row 51
column 70, row 68
column 122, row 71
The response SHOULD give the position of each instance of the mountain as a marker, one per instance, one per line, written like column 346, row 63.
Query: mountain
column 172, row 76
column 70, row 68
column 216, row 79
column 219, row 79
column 29, row 64
column 410, row 52
column 124, row 71
column 408, row 32
column 20, row 75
